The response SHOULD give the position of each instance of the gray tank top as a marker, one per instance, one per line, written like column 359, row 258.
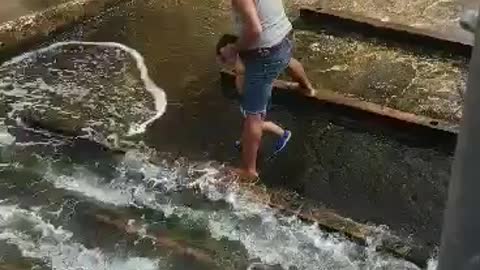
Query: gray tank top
column 275, row 24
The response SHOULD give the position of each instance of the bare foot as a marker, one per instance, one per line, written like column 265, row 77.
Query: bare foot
column 246, row 176
column 309, row 91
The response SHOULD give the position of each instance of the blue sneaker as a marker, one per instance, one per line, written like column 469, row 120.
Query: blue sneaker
column 282, row 142
column 280, row 145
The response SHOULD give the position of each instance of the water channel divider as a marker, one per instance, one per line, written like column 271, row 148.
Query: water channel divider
column 455, row 42
column 18, row 35
column 332, row 97
column 159, row 240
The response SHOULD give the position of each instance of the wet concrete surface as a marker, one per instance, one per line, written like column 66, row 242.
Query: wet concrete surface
column 439, row 15
column 12, row 9
column 363, row 172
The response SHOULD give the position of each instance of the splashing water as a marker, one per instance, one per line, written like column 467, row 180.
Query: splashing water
column 6, row 138
column 269, row 238
column 54, row 245
column 75, row 97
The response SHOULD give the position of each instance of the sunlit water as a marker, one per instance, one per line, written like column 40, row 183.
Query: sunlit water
column 64, row 205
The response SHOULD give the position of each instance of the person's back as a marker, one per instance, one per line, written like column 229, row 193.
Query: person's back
column 274, row 21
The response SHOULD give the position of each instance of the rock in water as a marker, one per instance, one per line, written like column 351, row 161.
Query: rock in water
column 6, row 139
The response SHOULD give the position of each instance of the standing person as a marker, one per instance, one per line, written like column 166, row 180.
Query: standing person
column 265, row 50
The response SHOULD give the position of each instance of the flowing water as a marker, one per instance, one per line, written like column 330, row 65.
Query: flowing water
column 65, row 208
column 69, row 204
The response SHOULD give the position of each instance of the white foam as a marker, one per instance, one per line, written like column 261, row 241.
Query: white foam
column 55, row 246
column 157, row 92
column 90, row 185
column 87, row 184
column 6, row 138
column 7, row 141
column 285, row 241
column 432, row 264
column 267, row 236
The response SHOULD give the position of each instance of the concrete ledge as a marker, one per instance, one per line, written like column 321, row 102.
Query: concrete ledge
column 25, row 31
column 290, row 204
column 456, row 42
column 159, row 240
column 330, row 221
column 331, row 97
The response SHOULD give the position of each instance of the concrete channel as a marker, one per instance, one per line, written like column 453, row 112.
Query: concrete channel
column 354, row 156
column 11, row 10
column 458, row 42
column 431, row 16
column 31, row 28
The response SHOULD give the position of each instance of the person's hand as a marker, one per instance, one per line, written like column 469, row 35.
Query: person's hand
column 229, row 54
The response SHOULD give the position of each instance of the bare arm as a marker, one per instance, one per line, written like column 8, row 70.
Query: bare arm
column 252, row 26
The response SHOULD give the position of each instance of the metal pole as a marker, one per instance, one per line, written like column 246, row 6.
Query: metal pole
column 460, row 248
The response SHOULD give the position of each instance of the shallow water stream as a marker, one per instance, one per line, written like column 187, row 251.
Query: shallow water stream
column 72, row 206
column 69, row 204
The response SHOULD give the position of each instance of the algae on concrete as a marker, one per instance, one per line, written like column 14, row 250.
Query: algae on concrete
column 428, row 85
column 12, row 9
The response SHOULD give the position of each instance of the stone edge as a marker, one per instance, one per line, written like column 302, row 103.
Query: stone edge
column 18, row 35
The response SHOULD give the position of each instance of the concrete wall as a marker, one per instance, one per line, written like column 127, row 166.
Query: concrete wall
column 16, row 35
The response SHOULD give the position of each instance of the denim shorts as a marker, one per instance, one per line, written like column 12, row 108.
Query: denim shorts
column 262, row 67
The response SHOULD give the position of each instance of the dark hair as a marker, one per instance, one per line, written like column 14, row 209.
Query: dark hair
column 224, row 41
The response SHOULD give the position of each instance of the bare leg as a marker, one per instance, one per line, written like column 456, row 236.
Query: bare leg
column 297, row 72
column 251, row 137
column 239, row 83
column 273, row 128
column 239, row 75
